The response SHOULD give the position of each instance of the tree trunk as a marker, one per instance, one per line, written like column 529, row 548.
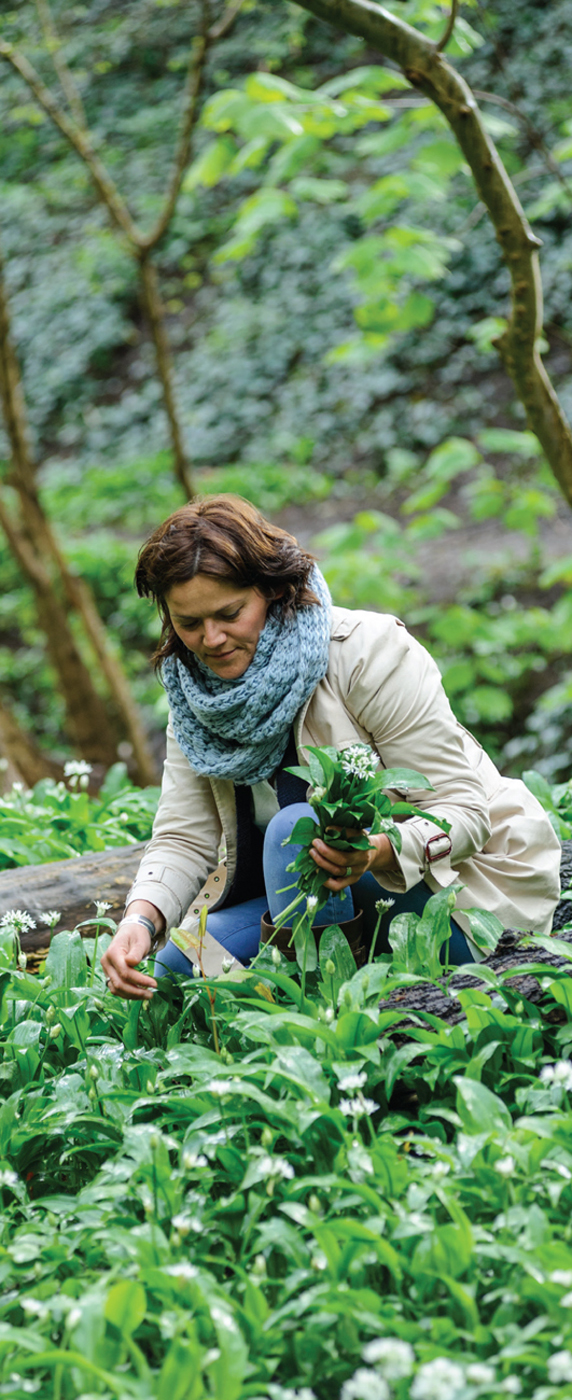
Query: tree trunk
column 89, row 725
column 95, row 731
column 22, row 761
column 425, row 68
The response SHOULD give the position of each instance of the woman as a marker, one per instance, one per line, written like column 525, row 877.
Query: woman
column 257, row 664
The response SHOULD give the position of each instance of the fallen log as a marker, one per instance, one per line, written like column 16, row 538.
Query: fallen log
column 513, row 950
column 72, row 886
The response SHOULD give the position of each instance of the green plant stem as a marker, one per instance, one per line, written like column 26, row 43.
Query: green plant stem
column 374, row 938
column 303, row 978
column 94, row 958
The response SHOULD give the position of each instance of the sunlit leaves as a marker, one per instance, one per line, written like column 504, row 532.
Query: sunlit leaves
column 267, row 207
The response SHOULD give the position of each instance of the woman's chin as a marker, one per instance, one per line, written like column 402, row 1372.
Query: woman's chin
column 231, row 667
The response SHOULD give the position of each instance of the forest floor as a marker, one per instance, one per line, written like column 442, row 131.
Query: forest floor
column 448, row 564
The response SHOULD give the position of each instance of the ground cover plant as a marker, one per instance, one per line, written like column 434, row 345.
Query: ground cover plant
column 242, row 1189
column 56, row 820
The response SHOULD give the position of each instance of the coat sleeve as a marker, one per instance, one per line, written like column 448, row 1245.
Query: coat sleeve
column 394, row 691
column 184, row 846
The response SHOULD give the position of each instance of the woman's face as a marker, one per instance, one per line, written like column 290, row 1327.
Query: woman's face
column 219, row 621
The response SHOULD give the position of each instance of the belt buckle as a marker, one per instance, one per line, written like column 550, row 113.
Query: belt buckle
column 438, row 855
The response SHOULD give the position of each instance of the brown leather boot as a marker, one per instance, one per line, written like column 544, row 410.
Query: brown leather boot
column 352, row 929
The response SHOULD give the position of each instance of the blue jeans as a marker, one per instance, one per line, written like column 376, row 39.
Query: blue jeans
column 238, row 927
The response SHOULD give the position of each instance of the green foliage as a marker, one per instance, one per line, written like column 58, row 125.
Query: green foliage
column 52, row 821
column 490, row 648
column 358, row 213
column 325, row 1208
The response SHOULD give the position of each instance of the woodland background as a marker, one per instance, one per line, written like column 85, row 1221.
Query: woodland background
column 329, row 288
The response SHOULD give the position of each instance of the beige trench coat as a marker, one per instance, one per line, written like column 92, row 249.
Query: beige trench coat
column 384, row 689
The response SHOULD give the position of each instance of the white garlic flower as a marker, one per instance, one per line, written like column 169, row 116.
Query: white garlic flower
column 559, row 1074
column 352, row 1081
column 16, row 921
column 101, row 907
column 440, row 1379
column 505, row 1165
column 358, row 1107
column 365, row 1385
column 50, row 917
column 480, row 1373
column 392, row 1357
column 359, row 761
column 76, row 768
column 560, row 1367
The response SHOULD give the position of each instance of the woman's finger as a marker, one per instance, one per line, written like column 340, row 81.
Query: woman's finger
column 129, row 947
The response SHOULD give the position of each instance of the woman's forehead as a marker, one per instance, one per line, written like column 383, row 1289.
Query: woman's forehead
column 203, row 593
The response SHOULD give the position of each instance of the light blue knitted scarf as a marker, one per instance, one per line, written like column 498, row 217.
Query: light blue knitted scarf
column 239, row 729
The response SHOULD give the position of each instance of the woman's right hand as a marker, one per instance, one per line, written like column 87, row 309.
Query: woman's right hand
column 130, row 946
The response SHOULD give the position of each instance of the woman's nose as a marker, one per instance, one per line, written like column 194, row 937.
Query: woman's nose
column 214, row 633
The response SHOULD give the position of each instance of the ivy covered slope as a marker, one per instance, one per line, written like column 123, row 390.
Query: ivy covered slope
column 333, row 290
column 323, row 1209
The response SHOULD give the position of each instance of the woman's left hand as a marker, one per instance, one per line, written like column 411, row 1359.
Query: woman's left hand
column 347, row 867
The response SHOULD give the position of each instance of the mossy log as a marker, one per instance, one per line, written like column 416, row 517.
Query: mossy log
column 72, row 886
column 512, row 951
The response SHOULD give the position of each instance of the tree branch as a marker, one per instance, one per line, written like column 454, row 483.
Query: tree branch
column 154, row 312
column 427, row 69
column 77, row 137
column 195, row 75
column 54, row 45
column 444, row 40
column 535, row 137
column 226, row 21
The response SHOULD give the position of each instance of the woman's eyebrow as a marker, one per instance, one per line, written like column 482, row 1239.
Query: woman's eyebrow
column 192, row 617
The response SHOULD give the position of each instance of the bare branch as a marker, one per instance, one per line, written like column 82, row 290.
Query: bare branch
column 154, row 312
column 444, row 40
column 77, row 137
column 225, row 23
column 535, row 137
column 427, row 69
column 54, row 47
column 193, row 86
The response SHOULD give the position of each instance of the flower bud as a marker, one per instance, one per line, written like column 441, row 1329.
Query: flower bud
column 54, row 1031
column 330, row 967
column 276, row 958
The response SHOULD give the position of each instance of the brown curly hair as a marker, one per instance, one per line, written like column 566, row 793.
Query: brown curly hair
column 225, row 537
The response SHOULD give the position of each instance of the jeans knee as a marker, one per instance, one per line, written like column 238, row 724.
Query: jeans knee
column 281, row 824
